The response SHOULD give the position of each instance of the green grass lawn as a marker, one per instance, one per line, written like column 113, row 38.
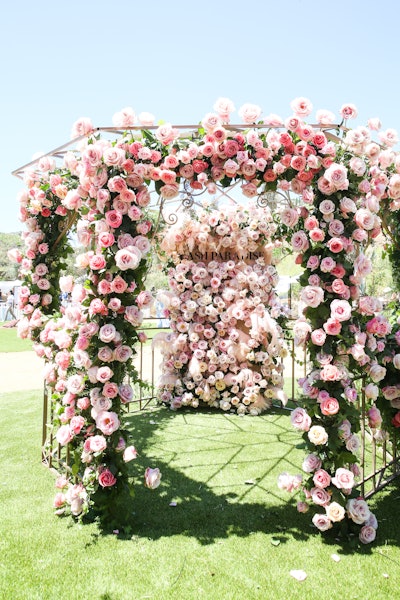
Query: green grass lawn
column 231, row 535
column 10, row 342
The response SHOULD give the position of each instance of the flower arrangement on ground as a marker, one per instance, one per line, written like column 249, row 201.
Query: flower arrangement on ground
column 226, row 348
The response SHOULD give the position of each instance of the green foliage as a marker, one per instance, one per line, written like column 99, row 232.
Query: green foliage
column 8, row 269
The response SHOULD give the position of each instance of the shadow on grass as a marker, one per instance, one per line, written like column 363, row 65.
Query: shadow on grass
column 201, row 494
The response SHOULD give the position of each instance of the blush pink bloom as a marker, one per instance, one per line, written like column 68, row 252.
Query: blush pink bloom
column 321, row 478
column 104, row 374
column 374, row 417
column 130, row 453
column 152, row 478
column 302, row 107
column 106, row 478
column 348, row 111
column 107, row 333
column 125, row 393
column 367, row 534
column 300, row 419
column 300, row 241
column 64, row 435
column 249, row 113
column 331, row 373
column 289, row 483
column 107, row 422
column 357, row 510
column 97, row 443
column 312, row 296
column 128, row 258
column 318, row 337
column 340, row 310
column 329, row 406
column 335, row 245
column 322, row 522
column 311, row 463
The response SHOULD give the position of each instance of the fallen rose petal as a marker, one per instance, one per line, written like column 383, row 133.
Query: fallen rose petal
column 386, row 576
column 335, row 557
column 275, row 542
column 298, row 574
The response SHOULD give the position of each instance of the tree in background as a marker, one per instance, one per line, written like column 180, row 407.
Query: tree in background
column 8, row 269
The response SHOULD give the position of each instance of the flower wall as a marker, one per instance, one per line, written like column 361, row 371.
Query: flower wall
column 227, row 346
column 340, row 186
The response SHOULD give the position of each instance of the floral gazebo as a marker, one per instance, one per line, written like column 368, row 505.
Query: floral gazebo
column 324, row 192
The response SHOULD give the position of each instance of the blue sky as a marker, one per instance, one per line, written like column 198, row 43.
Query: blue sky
column 63, row 60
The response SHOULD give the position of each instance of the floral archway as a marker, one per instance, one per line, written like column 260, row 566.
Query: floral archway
column 340, row 187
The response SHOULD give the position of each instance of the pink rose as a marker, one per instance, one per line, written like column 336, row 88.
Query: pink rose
column 301, row 107
column 289, row 483
column 118, row 285
column 82, row 126
column 130, row 453
column 312, row 296
column 321, row 478
column 357, row 510
column 318, row 337
column 107, row 422
column 322, row 522
column 374, row 417
column 365, row 219
column 300, row 419
column 128, row 258
column 340, row 310
column 329, row 406
column 249, row 113
column 106, row 478
column 97, row 443
column 75, row 384
column 76, row 424
column 317, row 235
column 311, row 463
column 59, row 500
column 327, row 264
column 330, row 373
column 377, row 372
column 125, row 393
column 348, row 111
column 104, row 374
column 64, row 435
column 83, row 403
column 320, row 496
column 367, row 534
column 105, row 354
column 152, row 478
column 110, row 390
column 340, row 288
column 335, row 245
column 133, row 315
column 107, row 333
column 122, row 353
column 300, row 241
column 166, row 134
column 113, row 218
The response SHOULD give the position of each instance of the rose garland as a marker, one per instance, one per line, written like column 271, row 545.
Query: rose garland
column 88, row 348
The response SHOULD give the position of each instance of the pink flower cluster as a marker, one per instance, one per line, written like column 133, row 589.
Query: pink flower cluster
column 226, row 347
